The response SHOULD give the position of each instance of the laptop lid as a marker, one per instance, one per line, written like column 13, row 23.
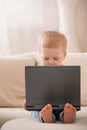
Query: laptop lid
column 52, row 84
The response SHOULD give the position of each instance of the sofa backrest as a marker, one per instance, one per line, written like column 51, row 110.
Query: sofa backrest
column 12, row 76
column 12, row 80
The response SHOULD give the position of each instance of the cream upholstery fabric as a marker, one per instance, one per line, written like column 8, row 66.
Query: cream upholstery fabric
column 12, row 80
column 28, row 123
column 12, row 91
column 7, row 114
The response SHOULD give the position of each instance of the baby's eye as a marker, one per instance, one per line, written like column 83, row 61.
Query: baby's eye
column 56, row 58
column 46, row 58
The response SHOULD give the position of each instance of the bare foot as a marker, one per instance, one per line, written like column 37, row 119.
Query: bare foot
column 69, row 113
column 46, row 114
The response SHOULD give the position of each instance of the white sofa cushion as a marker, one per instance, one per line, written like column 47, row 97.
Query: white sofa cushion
column 12, row 80
column 7, row 114
column 28, row 123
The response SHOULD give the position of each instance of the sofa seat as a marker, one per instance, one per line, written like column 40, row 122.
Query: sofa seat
column 7, row 114
column 12, row 79
column 27, row 123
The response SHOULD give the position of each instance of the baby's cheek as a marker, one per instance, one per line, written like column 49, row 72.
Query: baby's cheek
column 44, row 63
column 58, row 63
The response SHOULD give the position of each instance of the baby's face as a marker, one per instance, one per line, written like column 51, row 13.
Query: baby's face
column 52, row 56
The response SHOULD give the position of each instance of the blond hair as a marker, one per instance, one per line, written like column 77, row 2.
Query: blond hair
column 52, row 39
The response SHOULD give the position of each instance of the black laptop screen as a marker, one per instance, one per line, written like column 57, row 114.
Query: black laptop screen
column 55, row 85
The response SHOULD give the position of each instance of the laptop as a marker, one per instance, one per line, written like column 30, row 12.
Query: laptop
column 56, row 85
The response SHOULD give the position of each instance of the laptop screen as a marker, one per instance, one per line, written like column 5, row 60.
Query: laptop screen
column 56, row 85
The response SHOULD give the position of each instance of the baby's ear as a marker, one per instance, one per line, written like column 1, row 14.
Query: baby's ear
column 65, row 53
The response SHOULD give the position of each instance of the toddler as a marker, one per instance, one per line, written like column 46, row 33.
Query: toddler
column 52, row 51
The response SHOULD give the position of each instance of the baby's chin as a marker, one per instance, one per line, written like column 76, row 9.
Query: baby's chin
column 50, row 65
column 43, row 64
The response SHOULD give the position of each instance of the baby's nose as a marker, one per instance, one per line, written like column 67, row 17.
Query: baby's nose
column 51, row 62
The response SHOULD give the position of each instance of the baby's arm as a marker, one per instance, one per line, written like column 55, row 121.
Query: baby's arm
column 24, row 104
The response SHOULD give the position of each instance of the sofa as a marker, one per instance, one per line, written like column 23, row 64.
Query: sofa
column 12, row 93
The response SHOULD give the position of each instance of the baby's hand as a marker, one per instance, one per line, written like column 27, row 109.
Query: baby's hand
column 24, row 104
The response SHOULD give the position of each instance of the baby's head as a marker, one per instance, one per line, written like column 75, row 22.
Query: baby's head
column 52, row 48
